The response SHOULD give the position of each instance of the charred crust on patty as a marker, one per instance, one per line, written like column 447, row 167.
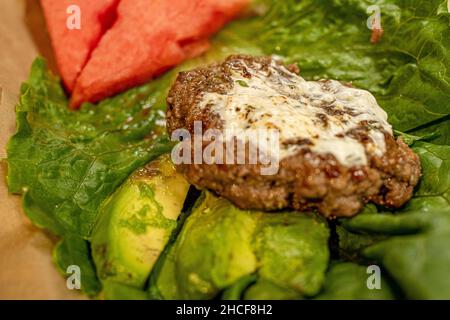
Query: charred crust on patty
column 306, row 180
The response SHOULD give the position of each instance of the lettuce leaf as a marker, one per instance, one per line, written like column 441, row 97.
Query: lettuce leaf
column 348, row 281
column 66, row 163
column 438, row 131
column 414, row 245
column 74, row 251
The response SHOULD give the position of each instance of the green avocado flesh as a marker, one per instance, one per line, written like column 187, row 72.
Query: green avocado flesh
column 219, row 244
column 136, row 222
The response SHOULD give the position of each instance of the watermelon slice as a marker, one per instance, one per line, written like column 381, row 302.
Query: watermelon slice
column 149, row 37
column 73, row 47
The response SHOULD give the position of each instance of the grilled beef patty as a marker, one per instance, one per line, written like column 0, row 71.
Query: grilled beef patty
column 337, row 151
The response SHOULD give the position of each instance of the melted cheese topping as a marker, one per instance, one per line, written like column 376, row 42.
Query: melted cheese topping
column 319, row 112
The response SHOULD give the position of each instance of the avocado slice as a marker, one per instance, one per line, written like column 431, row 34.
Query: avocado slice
column 135, row 223
column 242, row 253
column 210, row 253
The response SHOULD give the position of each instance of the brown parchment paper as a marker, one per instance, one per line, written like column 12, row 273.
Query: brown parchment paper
column 26, row 267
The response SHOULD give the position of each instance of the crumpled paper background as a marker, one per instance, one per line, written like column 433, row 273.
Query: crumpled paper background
column 26, row 267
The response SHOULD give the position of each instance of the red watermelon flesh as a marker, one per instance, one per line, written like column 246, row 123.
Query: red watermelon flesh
column 149, row 37
column 73, row 47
